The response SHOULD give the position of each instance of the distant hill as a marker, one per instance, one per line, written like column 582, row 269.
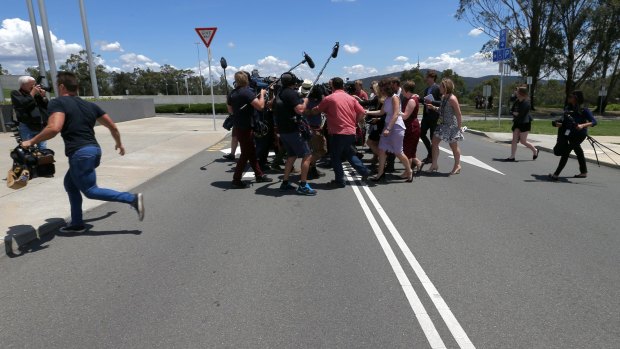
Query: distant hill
column 470, row 83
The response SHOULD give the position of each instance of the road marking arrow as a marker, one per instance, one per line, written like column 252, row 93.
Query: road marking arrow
column 472, row 161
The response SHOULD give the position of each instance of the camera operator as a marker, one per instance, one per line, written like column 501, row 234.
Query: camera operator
column 573, row 130
column 30, row 106
column 241, row 104
column 289, row 108
column 318, row 143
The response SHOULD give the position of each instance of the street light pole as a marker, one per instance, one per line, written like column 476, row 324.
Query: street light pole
column 48, row 44
column 89, row 51
column 202, row 92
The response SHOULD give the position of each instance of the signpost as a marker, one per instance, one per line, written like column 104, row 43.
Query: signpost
column 503, row 53
column 206, row 35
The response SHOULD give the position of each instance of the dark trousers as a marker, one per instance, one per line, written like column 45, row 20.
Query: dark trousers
column 574, row 144
column 248, row 153
column 263, row 145
column 341, row 146
column 427, row 125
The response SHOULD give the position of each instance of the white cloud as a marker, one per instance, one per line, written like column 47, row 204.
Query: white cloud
column 110, row 46
column 400, row 67
column 231, row 44
column 401, row 59
column 17, row 48
column 359, row 71
column 475, row 65
column 267, row 66
column 130, row 61
column 475, row 32
column 352, row 49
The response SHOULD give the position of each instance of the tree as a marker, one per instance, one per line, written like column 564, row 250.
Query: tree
column 532, row 24
column 607, row 38
column 575, row 59
column 416, row 76
column 78, row 64
column 459, row 83
column 3, row 71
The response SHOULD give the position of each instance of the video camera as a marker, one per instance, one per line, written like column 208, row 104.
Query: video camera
column 44, row 88
column 567, row 120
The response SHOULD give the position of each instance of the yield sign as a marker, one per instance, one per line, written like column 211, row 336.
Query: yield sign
column 206, row 34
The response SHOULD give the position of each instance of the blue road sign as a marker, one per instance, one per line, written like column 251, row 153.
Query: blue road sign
column 503, row 36
column 502, row 54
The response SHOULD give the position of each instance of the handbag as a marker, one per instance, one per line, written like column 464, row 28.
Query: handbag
column 228, row 123
column 17, row 177
column 562, row 147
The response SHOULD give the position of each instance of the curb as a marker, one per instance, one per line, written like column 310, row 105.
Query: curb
column 27, row 234
column 548, row 150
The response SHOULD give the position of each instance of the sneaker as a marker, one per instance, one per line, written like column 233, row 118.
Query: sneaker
column 239, row 185
column 73, row 229
column 286, row 187
column 306, row 190
column 230, row 157
column 263, row 179
column 138, row 204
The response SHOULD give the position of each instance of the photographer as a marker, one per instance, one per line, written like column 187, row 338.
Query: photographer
column 30, row 106
column 573, row 130
column 241, row 104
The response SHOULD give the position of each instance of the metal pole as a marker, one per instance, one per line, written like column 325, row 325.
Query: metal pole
column 51, row 60
column 89, row 51
column 35, row 37
column 211, row 82
column 501, row 90
column 202, row 92
column 189, row 105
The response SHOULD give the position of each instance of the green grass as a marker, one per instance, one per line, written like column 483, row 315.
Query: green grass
column 604, row 127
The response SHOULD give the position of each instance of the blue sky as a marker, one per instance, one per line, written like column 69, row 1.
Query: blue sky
column 376, row 37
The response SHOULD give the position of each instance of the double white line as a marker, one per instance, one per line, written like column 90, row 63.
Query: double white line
column 414, row 301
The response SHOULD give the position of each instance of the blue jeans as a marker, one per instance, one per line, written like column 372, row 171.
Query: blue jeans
column 81, row 178
column 26, row 133
column 342, row 146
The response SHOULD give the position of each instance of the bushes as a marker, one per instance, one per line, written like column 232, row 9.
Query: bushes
column 612, row 107
column 220, row 108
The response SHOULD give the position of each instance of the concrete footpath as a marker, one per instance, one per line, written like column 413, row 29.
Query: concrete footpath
column 547, row 142
column 152, row 145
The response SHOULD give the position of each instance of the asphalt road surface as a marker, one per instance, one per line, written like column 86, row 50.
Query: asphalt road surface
column 491, row 258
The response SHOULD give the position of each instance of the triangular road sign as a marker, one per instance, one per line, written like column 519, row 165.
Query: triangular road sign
column 206, row 34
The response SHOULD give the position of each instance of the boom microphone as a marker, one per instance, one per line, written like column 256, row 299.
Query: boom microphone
column 309, row 61
column 335, row 50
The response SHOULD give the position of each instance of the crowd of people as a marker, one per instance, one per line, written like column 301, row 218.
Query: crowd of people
column 338, row 119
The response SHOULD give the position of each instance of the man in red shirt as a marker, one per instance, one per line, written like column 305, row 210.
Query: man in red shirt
column 343, row 113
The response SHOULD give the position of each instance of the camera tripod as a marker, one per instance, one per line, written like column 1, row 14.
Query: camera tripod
column 598, row 144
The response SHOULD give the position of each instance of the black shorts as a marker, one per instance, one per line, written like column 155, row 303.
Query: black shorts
column 527, row 127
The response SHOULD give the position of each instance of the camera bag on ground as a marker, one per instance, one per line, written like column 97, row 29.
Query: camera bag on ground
column 28, row 164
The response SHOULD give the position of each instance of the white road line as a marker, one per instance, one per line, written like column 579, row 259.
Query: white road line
column 442, row 307
column 472, row 161
column 414, row 301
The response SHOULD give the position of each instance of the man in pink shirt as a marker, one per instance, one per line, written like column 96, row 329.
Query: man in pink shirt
column 359, row 91
column 343, row 113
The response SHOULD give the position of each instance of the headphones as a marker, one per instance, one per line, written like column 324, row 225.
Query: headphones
column 288, row 79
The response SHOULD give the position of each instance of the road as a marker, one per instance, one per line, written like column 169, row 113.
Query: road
column 481, row 259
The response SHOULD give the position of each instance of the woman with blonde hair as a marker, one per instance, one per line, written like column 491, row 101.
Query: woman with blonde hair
column 449, row 127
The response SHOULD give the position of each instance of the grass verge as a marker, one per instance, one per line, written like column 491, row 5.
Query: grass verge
column 604, row 127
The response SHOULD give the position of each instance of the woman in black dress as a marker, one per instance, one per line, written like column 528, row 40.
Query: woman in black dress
column 521, row 124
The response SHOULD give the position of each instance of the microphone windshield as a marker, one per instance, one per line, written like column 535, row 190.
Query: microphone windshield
column 309, row 61
column 223, row 63
column 335, row 50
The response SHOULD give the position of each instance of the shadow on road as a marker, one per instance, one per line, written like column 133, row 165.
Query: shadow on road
column 27, row 241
